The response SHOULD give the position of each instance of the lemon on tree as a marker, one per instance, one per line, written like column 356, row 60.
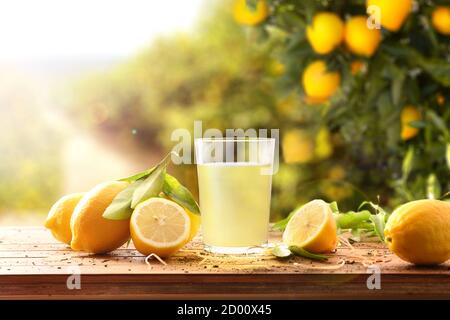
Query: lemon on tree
column 359, row 38
column 161, row 226
column 318, row 82
column 326, row 32
column 440, row 18
column 357, row 66
column 323, row 145
column 58, row 219
column 312, row 228
column 393, row 13
column 298, row 147
column 419, row 232
column 409, row 114
column 91, row 232
column 246, row 15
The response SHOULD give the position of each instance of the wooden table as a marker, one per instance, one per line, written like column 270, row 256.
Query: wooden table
column 34, row 265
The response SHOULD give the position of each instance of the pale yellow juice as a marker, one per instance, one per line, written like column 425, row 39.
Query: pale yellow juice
column 234, row 203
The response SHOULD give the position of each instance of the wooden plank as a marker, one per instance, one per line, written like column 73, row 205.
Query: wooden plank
column 33, row 265
column 255, row 286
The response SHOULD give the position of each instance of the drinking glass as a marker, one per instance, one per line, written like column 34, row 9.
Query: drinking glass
column 235, row 181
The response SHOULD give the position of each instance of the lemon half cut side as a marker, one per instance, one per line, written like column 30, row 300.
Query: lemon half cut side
column 159, row 226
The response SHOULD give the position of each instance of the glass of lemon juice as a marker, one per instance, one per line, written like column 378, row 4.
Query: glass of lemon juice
column 235, row 181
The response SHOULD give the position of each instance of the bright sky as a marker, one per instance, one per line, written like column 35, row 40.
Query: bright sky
column 46, row 29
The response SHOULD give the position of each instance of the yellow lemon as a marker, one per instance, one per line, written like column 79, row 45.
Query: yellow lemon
column 195, row 224
column 392, row 12
column 245, row 15
column 311, row 101
column 359, row 38
column 312, row 228
column 440, row 99
column 275, row 68
column 90, row 231
column 318, row 82
column 326, row 32
column 298, row 147
column 357, row 67
column 440, row 19
column 160, row 226
column 195, row 220
column 58, row 219
column 324, row 147
column 408, row 115
column 336, row 172
column 419, row 232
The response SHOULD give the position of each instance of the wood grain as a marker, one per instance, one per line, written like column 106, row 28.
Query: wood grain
column 34, row 265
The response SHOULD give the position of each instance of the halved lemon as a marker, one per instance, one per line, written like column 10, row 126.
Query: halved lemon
column 312, row 228
column 159, row 226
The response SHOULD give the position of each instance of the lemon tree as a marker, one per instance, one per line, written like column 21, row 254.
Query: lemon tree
column 381, row 83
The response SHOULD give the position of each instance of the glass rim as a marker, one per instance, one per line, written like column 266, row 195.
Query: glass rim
column 234, row 139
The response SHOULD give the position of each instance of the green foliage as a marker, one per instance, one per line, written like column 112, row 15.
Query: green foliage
column 411, row 67
column 224, row 75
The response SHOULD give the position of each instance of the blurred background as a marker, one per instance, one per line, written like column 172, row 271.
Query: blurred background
column 91, row 91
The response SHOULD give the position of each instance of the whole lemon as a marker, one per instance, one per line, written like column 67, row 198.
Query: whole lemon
column 58, row 219
column 298, row 147
column 392, row 13
column 408, row 115
column 440, row 19
column 419, row 232
column 359, row 38
column 318, row 82
column 245, row 15
column 90, row 231
column 326, row 32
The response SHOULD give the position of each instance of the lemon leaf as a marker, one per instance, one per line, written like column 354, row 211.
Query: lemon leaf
column 334, row 207
column 179, row 193
column 447, row 155
column 433, row 187
column 379, row 223
column 281, row 251
column 120, row 207
column 306, row 254
column 152, row 185
column 138, row 176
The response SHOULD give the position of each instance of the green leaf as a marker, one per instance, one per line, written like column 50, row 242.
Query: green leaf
column 334, row 207
column 378, row 219
column 379, row 223
column 433, row 187
column 407, row 163
column 138, row 176
column 179, row 193
column 120, row 207
column 306, row 254
column 447, row 155
column 438, row 121
column 152, row 185
column 397, row 87
column 281, row 251
column 419, row 124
